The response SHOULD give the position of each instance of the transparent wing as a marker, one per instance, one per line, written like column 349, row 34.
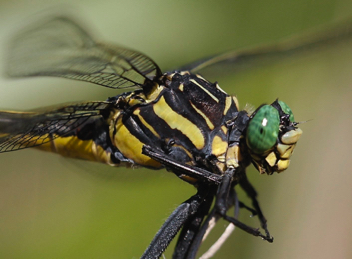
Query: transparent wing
column 62, row 48
column 239, row 59
column 20, row 130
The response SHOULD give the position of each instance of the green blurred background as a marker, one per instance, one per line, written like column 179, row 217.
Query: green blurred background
column 52, row 207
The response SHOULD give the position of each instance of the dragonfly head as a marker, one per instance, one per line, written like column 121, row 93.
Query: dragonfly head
column 271, row 137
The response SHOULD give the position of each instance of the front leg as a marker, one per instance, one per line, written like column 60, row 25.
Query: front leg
column 221, row 206
column 250, row 191
column 182, row 169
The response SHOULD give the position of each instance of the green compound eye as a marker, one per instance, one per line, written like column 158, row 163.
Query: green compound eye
column 286, row 109
column 263, row 129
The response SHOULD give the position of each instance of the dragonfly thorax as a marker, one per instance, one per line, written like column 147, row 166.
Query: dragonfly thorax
column 186, row 118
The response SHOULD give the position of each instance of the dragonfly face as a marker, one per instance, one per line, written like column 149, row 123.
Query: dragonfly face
column 271, row 137
column 176, row 120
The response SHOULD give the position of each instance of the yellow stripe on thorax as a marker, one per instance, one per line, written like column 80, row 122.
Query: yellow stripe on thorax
column 205, row 90
column 235, row 100
column 218, row 146
column 228, row 102
column 207, row 120
column 146, row 124
column 129, row 145
column 176, row 121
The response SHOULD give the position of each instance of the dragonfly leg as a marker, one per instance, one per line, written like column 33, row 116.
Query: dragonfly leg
column 182, row 169
column 208, row 225
column 251, row 192
column 242, row 205
column 185, row 247
column 221, row 206
column 172, row 225
column 188, row 215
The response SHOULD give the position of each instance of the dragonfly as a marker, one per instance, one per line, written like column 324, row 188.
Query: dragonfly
column 178, row 121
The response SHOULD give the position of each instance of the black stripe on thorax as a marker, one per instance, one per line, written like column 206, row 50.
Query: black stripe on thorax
column 164, row 130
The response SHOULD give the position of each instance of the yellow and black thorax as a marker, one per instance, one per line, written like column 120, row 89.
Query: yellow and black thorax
column 187, row 119
column 183, row 115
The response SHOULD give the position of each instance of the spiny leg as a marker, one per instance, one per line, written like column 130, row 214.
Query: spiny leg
column 220, row 205
column 185, row 211
column 208, row 225
column 172, row 225
column 192, row 226
column 179, row 168
column 250, row 191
